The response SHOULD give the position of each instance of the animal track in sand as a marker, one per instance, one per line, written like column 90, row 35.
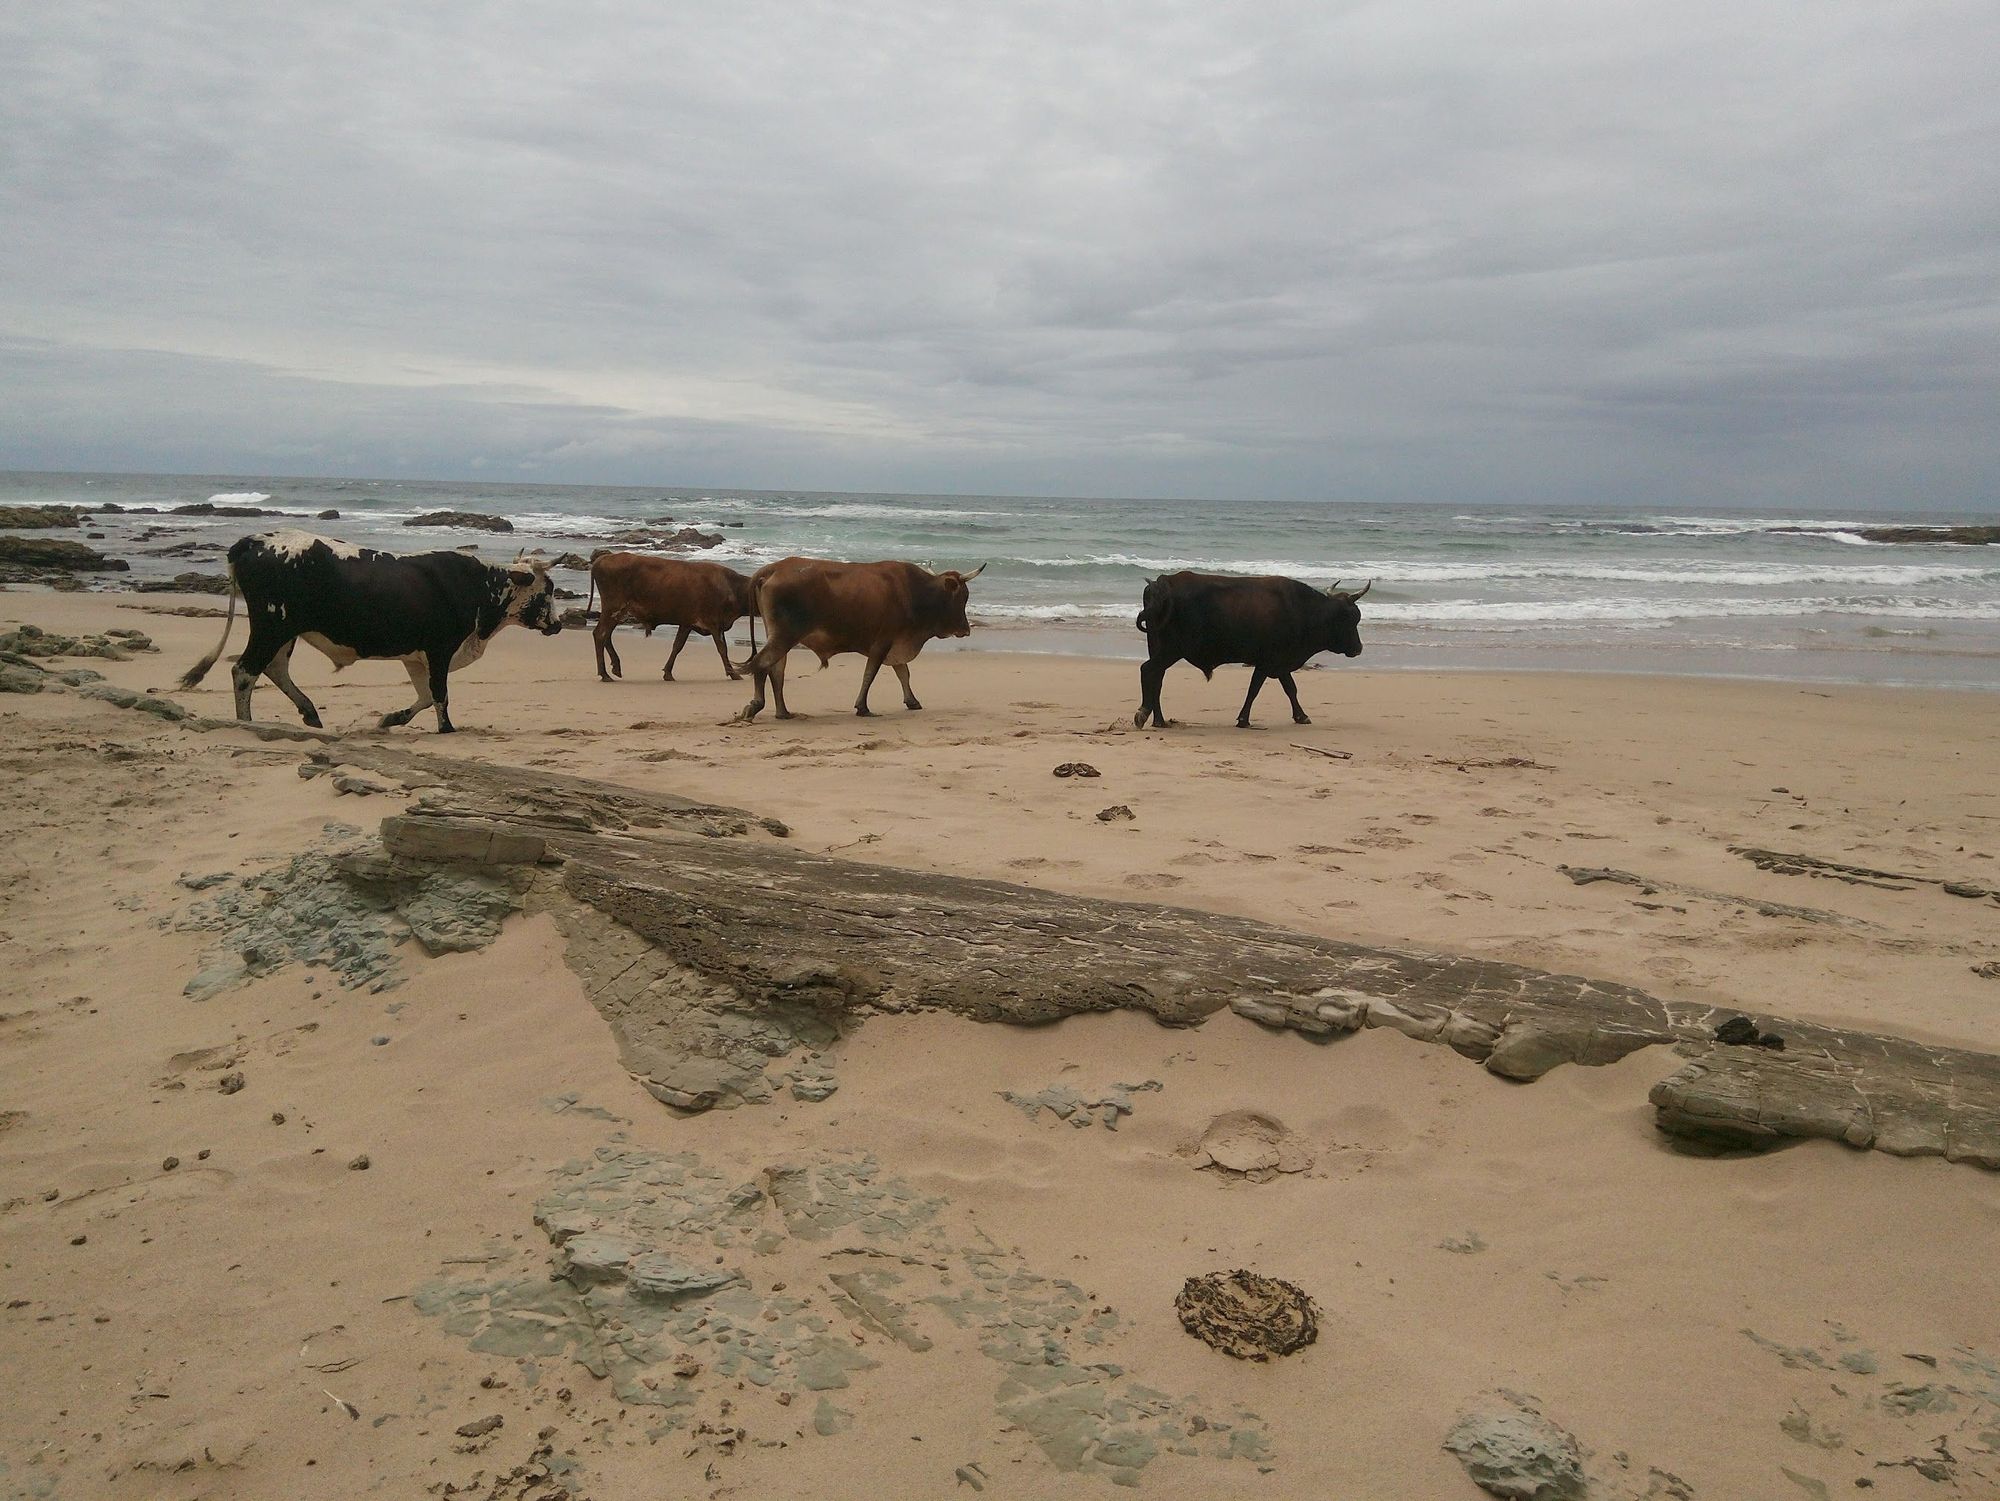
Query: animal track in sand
column 1153, row 880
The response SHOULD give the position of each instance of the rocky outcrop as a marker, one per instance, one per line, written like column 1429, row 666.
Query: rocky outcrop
column 54, row 553
column 30, row 518
column 683, row 540
column 210, row 508
column 1510, row 1450
column 1964, row 536
column 729, row 965
column 186, row 583
column 32, row 641
column 466, row 520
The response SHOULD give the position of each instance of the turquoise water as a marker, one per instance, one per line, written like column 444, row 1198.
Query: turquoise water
column 1772, row 594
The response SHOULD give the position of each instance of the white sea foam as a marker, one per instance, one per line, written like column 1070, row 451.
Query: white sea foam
column 237, row 498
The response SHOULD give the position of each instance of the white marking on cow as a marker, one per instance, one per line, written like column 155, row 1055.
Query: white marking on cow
column 293, row 543
column 340, row 656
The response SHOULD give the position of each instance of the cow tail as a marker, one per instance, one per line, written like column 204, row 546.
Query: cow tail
column 1156, row 607
column 200, row 669
column 590, row 598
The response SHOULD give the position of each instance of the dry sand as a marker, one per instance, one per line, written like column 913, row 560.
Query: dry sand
column 1460, row 1233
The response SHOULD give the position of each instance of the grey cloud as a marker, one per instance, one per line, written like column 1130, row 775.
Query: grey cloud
column 1672, row 252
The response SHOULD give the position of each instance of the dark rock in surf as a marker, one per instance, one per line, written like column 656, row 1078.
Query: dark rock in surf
column 470, row 520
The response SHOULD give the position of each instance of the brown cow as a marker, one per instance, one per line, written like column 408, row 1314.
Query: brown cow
column 648, row 591
column 885, row 611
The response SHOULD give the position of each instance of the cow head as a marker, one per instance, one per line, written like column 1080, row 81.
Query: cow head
column 1344, row 620
column 530, row 596
column 954, row 593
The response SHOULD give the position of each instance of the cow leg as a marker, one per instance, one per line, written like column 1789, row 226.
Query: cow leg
column 439, row 661
column 1152, row 673
column 721, row 635
column 279, row 671
column 1257, row 677
column 601, row 635
column 868, row 681
column 263, row 646
column 903, row 677
column 1292, row 692
column 420, row 679
column 777, row 676
column 680, row 640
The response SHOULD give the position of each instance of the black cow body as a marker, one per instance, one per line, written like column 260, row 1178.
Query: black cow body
column 1271, row 625
column 432, row 611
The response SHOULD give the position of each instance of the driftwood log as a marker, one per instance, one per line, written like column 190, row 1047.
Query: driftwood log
column 719, row 955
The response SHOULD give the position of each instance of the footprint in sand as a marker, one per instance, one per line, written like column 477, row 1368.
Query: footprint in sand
column 1153, row 880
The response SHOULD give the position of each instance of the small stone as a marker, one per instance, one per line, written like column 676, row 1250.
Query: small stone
column 277, row 1117
column 77, row 1240
column 1115, row 812
column 380, row 1040
column 686, row 1366
column 480, row 1427
column 359, row 1164
column 170, row 1164
column 230, row 1083
column 202, row 1155
column 50, row 1195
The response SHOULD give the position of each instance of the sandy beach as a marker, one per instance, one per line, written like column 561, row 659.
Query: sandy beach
column 208, row 1294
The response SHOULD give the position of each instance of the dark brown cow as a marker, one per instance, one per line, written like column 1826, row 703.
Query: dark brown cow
column 648, row 592
column 1271, row 625
column 885, row 611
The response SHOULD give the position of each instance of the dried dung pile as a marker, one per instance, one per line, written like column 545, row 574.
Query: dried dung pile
column 1248, row 1316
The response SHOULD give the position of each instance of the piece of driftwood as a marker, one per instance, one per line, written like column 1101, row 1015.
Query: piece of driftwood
column 715, row 953
column 1332, row 755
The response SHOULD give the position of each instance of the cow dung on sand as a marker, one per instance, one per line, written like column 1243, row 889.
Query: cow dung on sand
column 1246, row 1315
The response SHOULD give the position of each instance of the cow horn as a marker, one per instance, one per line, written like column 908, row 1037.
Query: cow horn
column 1364, row 589
column 1336, row 587
column 975, row 573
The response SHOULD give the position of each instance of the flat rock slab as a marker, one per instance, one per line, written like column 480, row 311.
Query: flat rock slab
column 767, row 948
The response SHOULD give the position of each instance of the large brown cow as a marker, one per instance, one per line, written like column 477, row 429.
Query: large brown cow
column 885, row 611
column 648, row 592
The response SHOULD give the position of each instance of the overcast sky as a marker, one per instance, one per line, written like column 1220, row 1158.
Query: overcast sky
column 1716, row 251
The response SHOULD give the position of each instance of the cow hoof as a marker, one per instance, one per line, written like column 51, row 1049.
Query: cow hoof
column 862, row 711
column 604, row 677
column 1301, row 719
column 910, row 703
column 312, row 722
column 447, row 729
column 1242, row 724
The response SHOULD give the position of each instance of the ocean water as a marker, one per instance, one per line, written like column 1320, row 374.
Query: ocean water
column 1773, row 594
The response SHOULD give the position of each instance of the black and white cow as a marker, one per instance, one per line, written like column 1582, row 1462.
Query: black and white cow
column 433, row 611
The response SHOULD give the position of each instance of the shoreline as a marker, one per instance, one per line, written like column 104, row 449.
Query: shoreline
column 1398, row 651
